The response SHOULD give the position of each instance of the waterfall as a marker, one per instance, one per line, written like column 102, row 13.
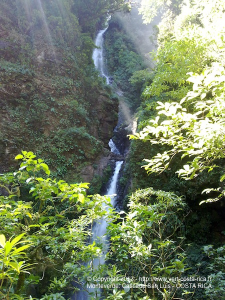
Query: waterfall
column 99, row 229
column 98, row 54
column 113, row 147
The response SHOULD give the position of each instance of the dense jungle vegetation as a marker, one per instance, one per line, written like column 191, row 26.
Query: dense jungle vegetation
column 58, row 114
column 49, row 84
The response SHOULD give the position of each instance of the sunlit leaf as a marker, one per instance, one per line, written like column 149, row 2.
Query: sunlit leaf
column 2, row 240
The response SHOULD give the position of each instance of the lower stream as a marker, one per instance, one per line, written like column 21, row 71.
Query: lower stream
column 99, row 229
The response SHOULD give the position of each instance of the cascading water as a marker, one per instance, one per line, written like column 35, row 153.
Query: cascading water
column 113, row 148
column 98, row 54
column 99, row 229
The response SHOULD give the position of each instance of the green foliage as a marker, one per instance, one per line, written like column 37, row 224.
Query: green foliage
column 141, row 78
column 12, row 257
column 192, row 127
column 186, row 135
column 56, row 218
column 147, row 241
column 150, row 9
column 181, row 136
column 217, row 271
column 49, row 85
column 175, row 60
column 57, row 296
column 90, row 13
column 122, row 61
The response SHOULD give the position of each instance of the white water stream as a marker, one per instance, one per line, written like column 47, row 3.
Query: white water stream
column 98, row 54
column 99, row 229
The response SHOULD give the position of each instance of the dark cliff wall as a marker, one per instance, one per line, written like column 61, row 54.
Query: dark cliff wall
column 51, row 98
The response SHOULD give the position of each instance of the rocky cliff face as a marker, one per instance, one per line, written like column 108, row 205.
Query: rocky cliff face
column 52, row 100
